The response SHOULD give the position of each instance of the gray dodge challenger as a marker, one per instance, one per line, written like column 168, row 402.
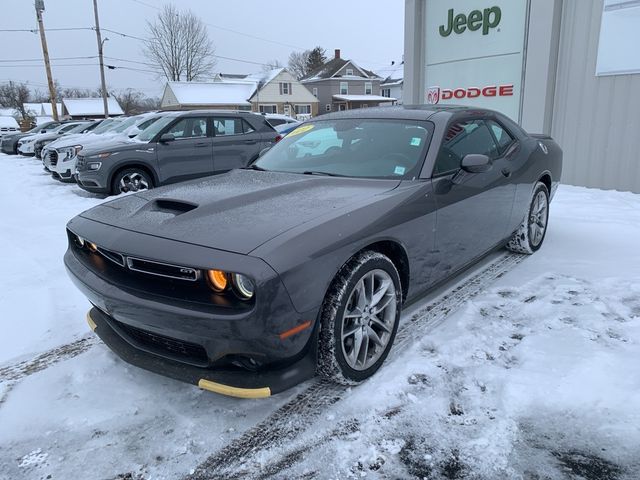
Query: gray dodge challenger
column 249, row 282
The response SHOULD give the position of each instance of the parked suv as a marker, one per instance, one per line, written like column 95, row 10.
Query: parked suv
column 179, row 146
column 9, row 142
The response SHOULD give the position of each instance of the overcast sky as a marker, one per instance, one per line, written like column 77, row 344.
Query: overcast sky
column 369, row 32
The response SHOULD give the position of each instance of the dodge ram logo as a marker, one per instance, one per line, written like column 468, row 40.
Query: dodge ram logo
column 433, row 95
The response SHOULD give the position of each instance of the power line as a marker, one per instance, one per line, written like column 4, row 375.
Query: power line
column 53, row 59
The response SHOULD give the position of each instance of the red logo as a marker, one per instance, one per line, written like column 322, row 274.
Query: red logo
column 474, row 92
column 433, row 95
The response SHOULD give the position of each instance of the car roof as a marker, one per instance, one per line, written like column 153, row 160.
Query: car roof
column 188, row 113
column 408, row 112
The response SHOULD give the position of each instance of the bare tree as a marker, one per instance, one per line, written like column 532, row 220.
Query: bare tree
column 134, row 101
column 15, row 95
column 298, row 63
column 271, row 65
column 179, row 44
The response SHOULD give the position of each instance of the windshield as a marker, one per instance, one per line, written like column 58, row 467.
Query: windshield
column 122, row 126
column 155, row 128
column 105, row 125
column 79, row 128
column 352, row 148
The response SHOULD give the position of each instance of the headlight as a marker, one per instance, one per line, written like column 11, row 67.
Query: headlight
column 71, row 152
column 94, row 166
column 244, row 287
column 218, row 279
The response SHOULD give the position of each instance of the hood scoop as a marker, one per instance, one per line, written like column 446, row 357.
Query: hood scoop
column 165, row 208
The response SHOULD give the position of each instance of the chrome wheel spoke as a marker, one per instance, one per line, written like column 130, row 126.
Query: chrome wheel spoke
column 381, row 292
column 384, row 304
column 351, row 331
column 374, row 337
column 381, row 324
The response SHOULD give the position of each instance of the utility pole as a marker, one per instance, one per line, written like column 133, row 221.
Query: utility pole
column 45, row 52
column 100, row 43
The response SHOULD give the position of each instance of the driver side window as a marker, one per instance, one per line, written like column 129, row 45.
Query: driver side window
column 461, row 139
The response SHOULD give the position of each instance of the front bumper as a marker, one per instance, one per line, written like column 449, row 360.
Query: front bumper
column 231, row 382
column 25, row 149
column 93, row 181
column 173, row 332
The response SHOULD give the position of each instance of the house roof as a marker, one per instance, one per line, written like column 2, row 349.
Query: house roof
column 48, row 110
column 363, row 98
column 33, row 108
column 8, row 112
column 8, row 122
column 79, row 107
column 333, row 66
column 264, row 77
column 393, row 75
column 216, row 93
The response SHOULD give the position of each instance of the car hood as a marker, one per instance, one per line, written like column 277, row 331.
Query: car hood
column 86, row 140
column 237, row 211
column 112, row 144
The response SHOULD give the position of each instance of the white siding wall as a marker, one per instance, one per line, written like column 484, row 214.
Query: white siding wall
column 271, row 91
column 596, row 120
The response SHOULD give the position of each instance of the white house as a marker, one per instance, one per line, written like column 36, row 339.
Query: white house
column 90, row 107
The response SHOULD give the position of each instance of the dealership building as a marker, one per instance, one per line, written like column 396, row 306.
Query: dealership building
column 568, row 68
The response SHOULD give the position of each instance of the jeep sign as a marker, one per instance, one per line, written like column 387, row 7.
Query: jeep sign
column 487, row 19
column 474, row 53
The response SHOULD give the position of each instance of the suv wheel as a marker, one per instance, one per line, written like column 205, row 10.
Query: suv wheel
column 131, row 180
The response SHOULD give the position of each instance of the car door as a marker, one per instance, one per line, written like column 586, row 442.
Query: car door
column 473, row 209
column 189, row 154
column 235, row 143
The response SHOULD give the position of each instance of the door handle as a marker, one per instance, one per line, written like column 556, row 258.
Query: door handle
column 506, row 172
column 250, row 142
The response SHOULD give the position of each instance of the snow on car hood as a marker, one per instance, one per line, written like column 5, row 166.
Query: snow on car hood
column 85, row 139
column 237, row 211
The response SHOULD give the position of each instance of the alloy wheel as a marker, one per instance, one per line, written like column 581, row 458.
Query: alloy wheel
column 133, row 182
column 538, row 218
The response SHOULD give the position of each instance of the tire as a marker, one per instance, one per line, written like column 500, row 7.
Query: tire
column 341, row 357
column 131, row 180
column 533, row 229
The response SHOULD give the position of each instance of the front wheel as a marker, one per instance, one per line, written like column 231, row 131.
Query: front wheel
column 131, row 180
column 359, row 318
column 530, row 235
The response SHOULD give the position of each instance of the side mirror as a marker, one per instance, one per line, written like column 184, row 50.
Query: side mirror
column 263, row 151
column 167, row 137
column 475, row 163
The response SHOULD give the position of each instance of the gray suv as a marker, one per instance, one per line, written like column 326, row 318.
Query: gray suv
column 179, row 146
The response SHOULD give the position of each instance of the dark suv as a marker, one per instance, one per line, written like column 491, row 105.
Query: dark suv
column 179, row 146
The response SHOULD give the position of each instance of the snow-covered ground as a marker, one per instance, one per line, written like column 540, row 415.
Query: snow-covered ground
column 536, row 377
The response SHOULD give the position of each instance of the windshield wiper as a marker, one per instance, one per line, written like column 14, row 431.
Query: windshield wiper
column 254, row 167
column 316, row 172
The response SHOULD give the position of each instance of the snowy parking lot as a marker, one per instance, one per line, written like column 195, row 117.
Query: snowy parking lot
column 523, row 367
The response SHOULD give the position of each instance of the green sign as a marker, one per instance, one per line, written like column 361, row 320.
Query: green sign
column 486, row 19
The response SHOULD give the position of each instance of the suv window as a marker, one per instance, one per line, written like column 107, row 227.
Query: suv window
column 464, row 138
column 501, row 135
column 190, row 127
column 228, row 126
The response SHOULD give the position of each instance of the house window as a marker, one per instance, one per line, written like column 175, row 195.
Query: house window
column 268, row 109
column 315, row 91
column 303, row 109
column 368, row 88
column 386, row 92
column 285, row 88
column 344, row 88
column 349, row 72
column 328, row 107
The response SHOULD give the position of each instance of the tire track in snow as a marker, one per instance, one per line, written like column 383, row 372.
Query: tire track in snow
column 10, row 375
column 293, row 418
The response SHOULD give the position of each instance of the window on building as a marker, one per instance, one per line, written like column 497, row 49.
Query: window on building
column 349, row 72
column 619, row 38
column 315, row 91
column 268, row 109
column 285, row 88
column 303, row 109
column 344, row 88
column 368, row 88
column 464, row 138
column 328, row 107
column 386, row 92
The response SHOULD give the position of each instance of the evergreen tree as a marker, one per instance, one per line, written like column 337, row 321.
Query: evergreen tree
column 316, row 59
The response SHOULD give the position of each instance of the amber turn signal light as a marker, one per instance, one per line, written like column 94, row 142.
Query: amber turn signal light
column 218, row 280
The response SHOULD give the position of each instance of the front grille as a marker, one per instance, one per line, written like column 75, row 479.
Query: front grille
column 160, row 344
column 53, row 157
column 162, row 269
column 80, row 162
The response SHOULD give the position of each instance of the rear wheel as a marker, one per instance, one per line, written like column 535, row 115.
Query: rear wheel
column 131, row 180
column 530, row 235
column 359, row 318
